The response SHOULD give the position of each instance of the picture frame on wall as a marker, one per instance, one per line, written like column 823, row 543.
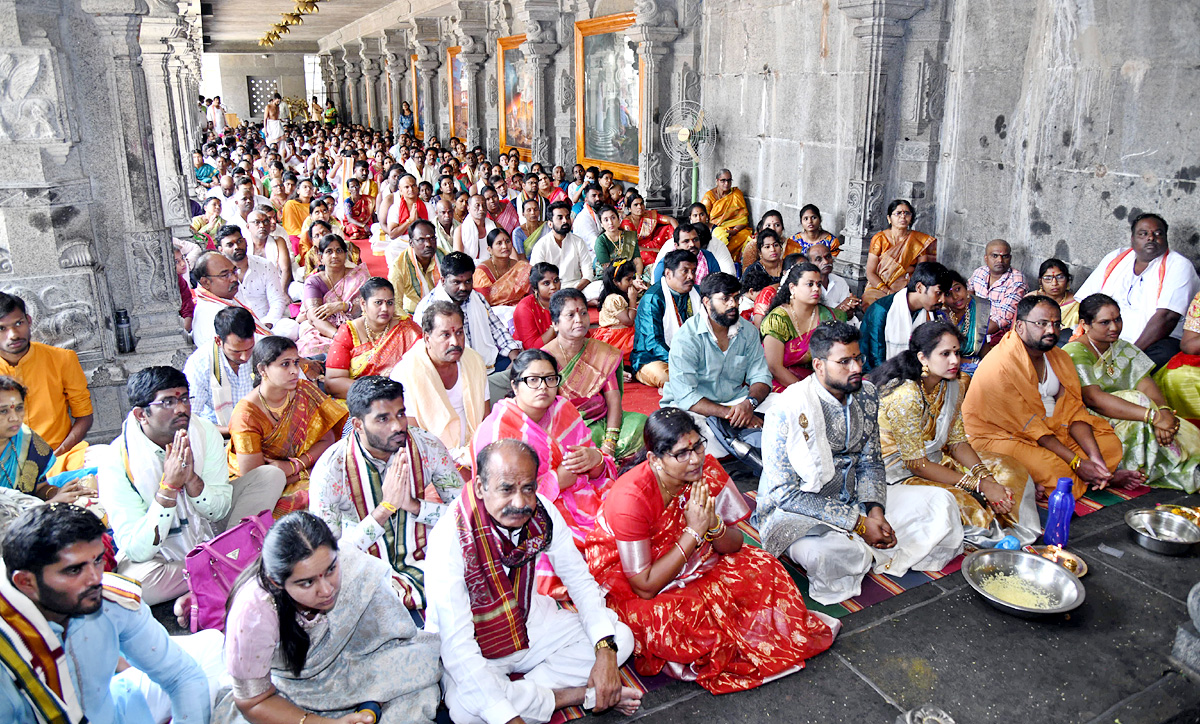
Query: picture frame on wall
column 608, row 96
column 418, row 106
column 458, row 93
column 516, row 97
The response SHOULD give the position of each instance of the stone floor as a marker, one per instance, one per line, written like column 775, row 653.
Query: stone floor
column 940, row 644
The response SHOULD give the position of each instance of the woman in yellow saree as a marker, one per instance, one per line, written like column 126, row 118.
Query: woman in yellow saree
column 502, row 279
column 728, row 213
column 286, row 421
column 894, row 252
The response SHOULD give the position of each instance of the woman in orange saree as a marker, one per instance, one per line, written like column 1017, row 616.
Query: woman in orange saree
column 286, row 422
column 702, row 606
column 502, row 279
column 652, row 228
column 728, row 213
column 894, row 252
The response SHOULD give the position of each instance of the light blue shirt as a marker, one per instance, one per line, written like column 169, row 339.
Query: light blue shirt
column 94, row 643
column 198, row 370
column 701, row 369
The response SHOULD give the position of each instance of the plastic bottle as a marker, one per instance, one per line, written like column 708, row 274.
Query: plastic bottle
column 1062, row 507
column 1009, row 543
column 126, row 342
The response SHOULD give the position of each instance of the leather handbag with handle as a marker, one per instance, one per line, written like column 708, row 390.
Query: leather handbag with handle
column 212, row 568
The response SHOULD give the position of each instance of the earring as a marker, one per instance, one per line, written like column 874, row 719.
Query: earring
column 924, row 370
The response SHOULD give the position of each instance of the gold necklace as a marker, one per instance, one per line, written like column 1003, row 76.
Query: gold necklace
column 800, row 332
column 274, row 413
column 934, row 400
column 1109, row 366
column 373, row 339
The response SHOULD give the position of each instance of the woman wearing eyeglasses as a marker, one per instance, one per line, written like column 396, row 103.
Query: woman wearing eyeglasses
column 702, row 606
column 1055, row 282
column 572, row 471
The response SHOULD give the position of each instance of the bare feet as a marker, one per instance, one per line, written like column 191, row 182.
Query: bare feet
column 1128, row 478
column 183, row 609
column 631, row 700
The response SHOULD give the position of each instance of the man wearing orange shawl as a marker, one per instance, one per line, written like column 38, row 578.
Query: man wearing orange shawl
column 1025, row 401
column 728, row 213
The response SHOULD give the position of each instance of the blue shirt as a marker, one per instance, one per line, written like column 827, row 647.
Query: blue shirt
column 700, row 369
column 874, row 339
column 649, row 339
column 94, row 643
column 198, row 369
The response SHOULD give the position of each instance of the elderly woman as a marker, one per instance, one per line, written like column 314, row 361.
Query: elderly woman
column 703, row 607
column 923, row 441
column 1116, row 381
column 592, row 377
column 895, row 251
column 330, row 296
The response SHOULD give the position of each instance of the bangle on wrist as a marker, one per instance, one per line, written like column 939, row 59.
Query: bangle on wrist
column 388, row 507
column 860, row 526
column 695, row 536
column 1075, row 463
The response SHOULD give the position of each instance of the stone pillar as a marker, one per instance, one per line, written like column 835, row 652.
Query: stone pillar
column 335, row 84
column 541, row 43
column 372, row 70
column 354, row 76
column 396, row 63
column 879, row 35
column 653, row 44
column 471, row 29
column 156, row 32
column 917, row 148
column 429, row 59
column 183, row 106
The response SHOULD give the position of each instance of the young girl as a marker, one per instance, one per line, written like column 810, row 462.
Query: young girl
column 618, row 306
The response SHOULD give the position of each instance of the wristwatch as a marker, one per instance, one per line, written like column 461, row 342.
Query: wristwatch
column 608, row 642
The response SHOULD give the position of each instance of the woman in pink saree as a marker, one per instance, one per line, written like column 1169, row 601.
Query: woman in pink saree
column 572, row 471
column 330, row 297
column 786, row 329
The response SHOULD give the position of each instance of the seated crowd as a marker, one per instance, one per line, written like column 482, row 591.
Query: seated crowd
column 452, row 441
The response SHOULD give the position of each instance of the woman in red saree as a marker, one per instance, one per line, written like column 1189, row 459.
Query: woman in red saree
column 702, row 606
column 789, row 323
column 360, row 210
column 652, row 228
column 371, row 344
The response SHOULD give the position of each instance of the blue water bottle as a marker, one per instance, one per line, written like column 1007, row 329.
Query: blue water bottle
column 1062, row 507
column 1009, row 543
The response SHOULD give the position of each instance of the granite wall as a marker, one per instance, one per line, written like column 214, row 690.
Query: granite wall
column 235, row 68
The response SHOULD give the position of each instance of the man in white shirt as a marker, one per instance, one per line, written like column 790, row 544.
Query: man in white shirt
column 571, row 253
column 259, row 286
column 587, row 221
column 215, row 287
column 219, row 372
column 1152, row 284
column 242, row 186
column 262, row 242
column 499, row 625
column 835, row 292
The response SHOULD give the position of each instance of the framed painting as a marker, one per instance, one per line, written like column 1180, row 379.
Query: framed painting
column 458, row 93
column 608, row 96
column 419, row 110
column 516, row 97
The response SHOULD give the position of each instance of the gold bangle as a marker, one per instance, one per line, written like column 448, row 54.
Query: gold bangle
column 388, row 507
column 303, row 717
column 1075, row 463
column 860, row 526
column 699, row 538
column 681, row 552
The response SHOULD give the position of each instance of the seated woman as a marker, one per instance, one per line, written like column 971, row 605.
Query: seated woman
column 652, row 228
column 923, row 442
column 371, row 344
column 811, row 232
column 25, row 457
column 615, row 245
column 531, row 316
column 572, row 471
column 772, row 220
column 894, row 252
column 767, row 268
column 593, row 378
column 204, row 227
column 762, row 300
column 789, row 323
column 703, row 607
column 502, row 279
column 359, row 213
column 1179, row 379
column 1054, row 280
column 622, row 288
column 317, row 630
column 1116, row 381
column 330, row 296
column 285, row 421
column 319, row 210
column 969, row 315
column 296, row 211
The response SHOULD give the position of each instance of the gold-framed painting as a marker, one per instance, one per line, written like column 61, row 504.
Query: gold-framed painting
column 516, row 97
column 418, row 99
column 608, row 96
column 458, row 93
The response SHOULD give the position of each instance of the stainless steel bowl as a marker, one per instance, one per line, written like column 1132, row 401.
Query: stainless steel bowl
column 1163, row 532
column 1063, row 587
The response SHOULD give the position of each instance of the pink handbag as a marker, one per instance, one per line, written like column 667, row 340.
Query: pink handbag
column 212, row 568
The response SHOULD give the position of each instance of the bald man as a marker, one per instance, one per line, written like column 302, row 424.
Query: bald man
column 445, row 226
column 1001, row 284
column 471, row 235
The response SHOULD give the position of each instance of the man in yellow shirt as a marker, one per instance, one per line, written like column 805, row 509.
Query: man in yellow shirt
column 59, row 406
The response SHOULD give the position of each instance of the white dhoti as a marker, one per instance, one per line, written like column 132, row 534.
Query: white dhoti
column 929, row 534
column 273, row 127
column 394, row 249
column 286, row 327
column 559, row 656
column 207, row 648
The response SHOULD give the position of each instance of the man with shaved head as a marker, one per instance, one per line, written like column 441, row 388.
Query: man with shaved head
column 471, row 235
column 445, row 226
column 1001, row 284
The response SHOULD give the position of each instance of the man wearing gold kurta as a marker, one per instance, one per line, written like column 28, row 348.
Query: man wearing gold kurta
column 728, row 213
column 1025, row 401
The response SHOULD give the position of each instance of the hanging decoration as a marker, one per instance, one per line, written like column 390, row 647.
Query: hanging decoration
column 296, row 17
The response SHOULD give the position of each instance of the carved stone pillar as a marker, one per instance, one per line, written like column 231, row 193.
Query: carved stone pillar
column 354, row 76
column 471, row 28
column 923, row 94
column 396, row 63
column 653, row 44
column 541, row 43
column 879, row 35
column 372, row 70
column 429, row 59
column 155, row 35
column 337, row 72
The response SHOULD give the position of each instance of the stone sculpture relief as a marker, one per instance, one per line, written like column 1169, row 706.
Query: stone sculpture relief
column 24, row 118
column 63, row 315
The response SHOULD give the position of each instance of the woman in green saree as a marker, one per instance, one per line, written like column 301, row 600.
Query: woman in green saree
column 593, row 378
column 969, row 314
column 1116, row 381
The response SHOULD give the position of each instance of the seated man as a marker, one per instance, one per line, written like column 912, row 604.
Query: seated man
column 446, row 381
column 719, row 372
column 835, row 292
column 571, row 254
column 215, row 286
column 687, row 237
column 663, row 310
column 491, row 620
column 824, row 494
column 219, row 373
column 1152, row 284
column 485, row 333
column 415, row 271
column 53, row 580
column 259, row 285
column 1025, row 401
column 57, row 398
column 384, row 486
column 999, row 283
column 587, row 222
column 889, row 322
column 165, row 484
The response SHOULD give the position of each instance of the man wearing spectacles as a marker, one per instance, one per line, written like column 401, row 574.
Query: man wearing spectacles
column 822, row 498
column 1025, row 401
column 164, row 482
column 1001, row 284
column 1153, row 286
column 215, row 282
column 258, row 282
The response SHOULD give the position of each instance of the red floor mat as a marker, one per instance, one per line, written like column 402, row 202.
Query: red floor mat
column 640, row 398
column 377, row 265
